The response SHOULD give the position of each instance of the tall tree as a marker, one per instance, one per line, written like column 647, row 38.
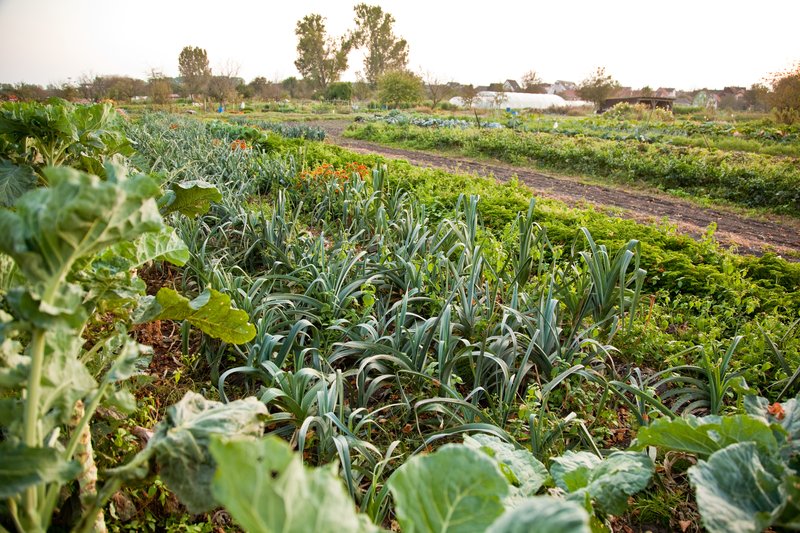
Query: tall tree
column 385, row 52
column 320, row 59
column 194, row 69
column 597, row 87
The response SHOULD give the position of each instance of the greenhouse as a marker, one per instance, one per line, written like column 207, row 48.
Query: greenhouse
column 498, row 100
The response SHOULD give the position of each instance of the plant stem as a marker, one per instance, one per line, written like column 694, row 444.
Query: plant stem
column 31, row 435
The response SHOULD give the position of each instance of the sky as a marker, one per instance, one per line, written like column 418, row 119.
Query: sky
column 687, row 44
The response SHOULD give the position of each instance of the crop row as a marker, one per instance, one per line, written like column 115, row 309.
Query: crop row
column 746, row 179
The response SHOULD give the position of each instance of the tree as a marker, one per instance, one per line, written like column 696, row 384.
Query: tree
column 259, row 86
column 339, row 90
column 159, row 87
column 223, row 86
column 598, row 87
column 320, row 59
column 399, row 87
column 290, row 85
column 194, row 69
column 757, row 97
column 437, row 91
column 532, row 83
column 785, row 97
column 385, row 52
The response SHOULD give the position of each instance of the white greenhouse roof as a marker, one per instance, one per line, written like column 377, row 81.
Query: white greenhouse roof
column 495, row 100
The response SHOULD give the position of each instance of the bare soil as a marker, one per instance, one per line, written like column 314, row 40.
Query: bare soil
column 745, row 234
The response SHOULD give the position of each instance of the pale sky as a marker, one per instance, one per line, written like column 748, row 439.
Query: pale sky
column 679, row 43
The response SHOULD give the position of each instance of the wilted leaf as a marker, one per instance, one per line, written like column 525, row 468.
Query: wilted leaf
column 22, row 467
column 543, row 514
column 190, row 198
column 180, row 443
column 738, row 490
column 211, row 313
column 455, row 489
column 266, row 488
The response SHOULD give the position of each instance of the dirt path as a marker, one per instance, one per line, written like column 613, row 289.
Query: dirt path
column 747, row 234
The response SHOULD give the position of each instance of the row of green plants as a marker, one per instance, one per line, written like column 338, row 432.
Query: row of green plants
column 367, row 320
column 290, row 131
column 330, row 282
column 750, row 180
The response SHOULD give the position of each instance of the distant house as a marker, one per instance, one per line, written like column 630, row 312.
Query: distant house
column 666, row 92
column 706, row 99
column 560, row 86
column 512, row 86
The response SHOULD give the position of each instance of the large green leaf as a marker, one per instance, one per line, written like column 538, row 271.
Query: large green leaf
column 609, row 481
column 266, row 488
column 211, row 313
column 180, row 443
column 543, row 514
column 22, row 467
column 190, row 198
column 14, row 181
column 738, row 489
column 164, row 245
column 573, row 470
column 786, row 414
column 704, row 436
column 524, row 472
column 455, row 489
column 77, row 216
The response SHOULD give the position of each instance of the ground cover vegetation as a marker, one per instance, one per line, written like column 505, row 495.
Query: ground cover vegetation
column 349, row 329
column 619, row 150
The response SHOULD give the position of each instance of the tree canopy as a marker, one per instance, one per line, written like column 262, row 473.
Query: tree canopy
column 320, row 59
column 598, row 87
column 194, row 69
column 399, row 87
column 385, row 51
column 785, row 97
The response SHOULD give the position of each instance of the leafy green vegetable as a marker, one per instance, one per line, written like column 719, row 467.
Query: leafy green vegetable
column 456, row 489
column 524, row 472
column 78, row 215
column 266, row 488
column 609, row 482
column 180, row 443
column 14, row 181
column 738, row 489
column 22, row 467
column 190, row 198
column 210, row 312
column 786, row 414
column 543, row 514
column 704, row 436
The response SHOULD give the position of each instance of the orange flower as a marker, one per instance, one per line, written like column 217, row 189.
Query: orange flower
column 776, row 410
